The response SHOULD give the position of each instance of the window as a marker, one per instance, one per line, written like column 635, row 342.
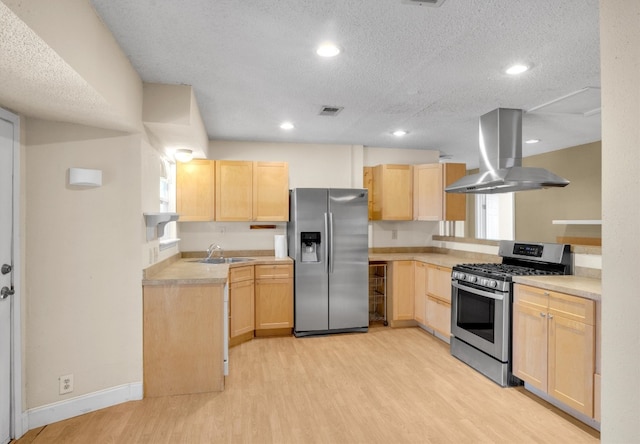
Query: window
column 495, row 216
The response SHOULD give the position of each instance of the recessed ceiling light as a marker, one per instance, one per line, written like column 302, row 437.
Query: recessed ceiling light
column 399, row 133
column 532, row 141
column 516, row 69
column 287, row 126
column 328, row 50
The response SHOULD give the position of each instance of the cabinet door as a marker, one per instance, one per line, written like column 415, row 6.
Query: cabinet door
column 195, row 190
column 431, row 202
column 439, row 316
column 392, row 192
column 241, row 308
column 420, row 292
column 402, row 287
column 271, row 191
column 530, row 343
column 274, row 303
column 428, row 192
column 234, row 190
column 439, row 282
column 571, row 363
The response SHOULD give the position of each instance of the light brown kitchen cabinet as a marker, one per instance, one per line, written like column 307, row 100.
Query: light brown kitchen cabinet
column 367, row 182
column 420, row 292
column 554, row 345
column 431, row 202
column 234, row 190
column 271, row 191
column 438, row 304
column 392, row 192
column 252, row 191
column 182, row 339
column 274, row 299
column 401, row 278
column 195, row 182
column 241, row 304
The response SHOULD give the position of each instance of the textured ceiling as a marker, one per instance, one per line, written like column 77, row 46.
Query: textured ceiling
column 36, row 81
column 430, row 71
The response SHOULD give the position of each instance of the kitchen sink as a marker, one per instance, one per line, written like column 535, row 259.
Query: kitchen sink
column 224, row 260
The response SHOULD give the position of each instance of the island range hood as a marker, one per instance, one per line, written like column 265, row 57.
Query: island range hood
column 501, row 169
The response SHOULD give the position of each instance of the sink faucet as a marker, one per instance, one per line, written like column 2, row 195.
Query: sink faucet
column 214, row 250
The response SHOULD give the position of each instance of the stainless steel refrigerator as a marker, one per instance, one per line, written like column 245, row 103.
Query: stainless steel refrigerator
column 327, row 236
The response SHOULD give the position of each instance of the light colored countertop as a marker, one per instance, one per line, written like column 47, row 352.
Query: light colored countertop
column 443, row 260
column 188, row 271
column 588, row 288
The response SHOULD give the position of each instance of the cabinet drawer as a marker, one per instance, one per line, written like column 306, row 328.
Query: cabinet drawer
column 536, row 298
column 439, row 282
column 439, row 316
column 275, row 271
column 237, row 274
column 572, row 307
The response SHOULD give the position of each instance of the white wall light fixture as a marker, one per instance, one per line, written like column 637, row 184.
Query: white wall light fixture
column 183, row 155
column 84, row 177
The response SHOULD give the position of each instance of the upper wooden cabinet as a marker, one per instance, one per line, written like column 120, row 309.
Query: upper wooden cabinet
column 392, row 192
column 430, row 202
column 367, row 182
column 271, row 191
column 195, row 190
column 248, row 191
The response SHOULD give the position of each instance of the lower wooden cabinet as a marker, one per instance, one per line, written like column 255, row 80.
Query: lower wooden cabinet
column 438, row 304
column 554, row 345
column 439, row 316
column 241, row 304
column 401, row 292
column 274, row 297
column 420, row 292
column 182, row 339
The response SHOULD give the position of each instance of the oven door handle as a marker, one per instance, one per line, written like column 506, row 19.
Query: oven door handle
column 489, row 294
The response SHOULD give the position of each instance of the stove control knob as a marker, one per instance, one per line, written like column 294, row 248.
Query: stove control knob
column 472, row 278
column 460, row 276
column 492, row 284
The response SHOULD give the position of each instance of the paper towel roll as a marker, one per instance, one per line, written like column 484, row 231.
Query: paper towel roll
column 280, row 244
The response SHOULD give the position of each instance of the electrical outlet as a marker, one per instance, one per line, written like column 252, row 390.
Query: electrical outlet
column 66, row 384
column 394, row 234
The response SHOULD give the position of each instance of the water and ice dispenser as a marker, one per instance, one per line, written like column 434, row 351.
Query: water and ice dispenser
column 310, row 243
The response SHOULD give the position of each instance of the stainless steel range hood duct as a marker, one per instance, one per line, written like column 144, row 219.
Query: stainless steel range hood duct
column 501, row 169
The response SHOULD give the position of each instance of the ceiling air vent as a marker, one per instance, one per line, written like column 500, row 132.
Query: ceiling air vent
column 330, row 110
column 430, row 3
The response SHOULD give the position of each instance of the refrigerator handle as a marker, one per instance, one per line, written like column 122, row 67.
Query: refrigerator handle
column 331, row 250
column 326, row 243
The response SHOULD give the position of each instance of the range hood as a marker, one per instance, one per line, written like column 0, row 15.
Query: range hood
column 501, row 169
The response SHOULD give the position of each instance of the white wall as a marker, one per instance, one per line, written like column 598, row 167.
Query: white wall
column 620, row 63
column 311, row 166
column 83, row 297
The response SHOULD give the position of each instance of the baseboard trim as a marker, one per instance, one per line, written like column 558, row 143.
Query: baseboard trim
column 59, row 411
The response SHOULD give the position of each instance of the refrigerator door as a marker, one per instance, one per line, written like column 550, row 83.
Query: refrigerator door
column 311, row 303
column 349, row 259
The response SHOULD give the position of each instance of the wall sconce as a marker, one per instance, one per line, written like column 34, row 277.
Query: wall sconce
column 183, row 155
column 84, row 177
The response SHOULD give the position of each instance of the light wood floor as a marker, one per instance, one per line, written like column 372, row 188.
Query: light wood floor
column 385, row 386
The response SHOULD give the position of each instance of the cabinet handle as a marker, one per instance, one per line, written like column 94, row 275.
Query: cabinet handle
column 543, row 315
column 550, row 316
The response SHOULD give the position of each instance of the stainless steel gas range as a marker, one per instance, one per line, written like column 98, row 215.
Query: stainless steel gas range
column 482, row 304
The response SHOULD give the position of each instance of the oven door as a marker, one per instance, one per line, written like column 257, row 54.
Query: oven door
column 480, row 318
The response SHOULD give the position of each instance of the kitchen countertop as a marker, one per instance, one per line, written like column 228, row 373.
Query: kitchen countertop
column 443, row 260
column 588, row 288
column 188, row 271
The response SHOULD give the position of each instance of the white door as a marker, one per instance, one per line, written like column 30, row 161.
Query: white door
column 6, row 218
